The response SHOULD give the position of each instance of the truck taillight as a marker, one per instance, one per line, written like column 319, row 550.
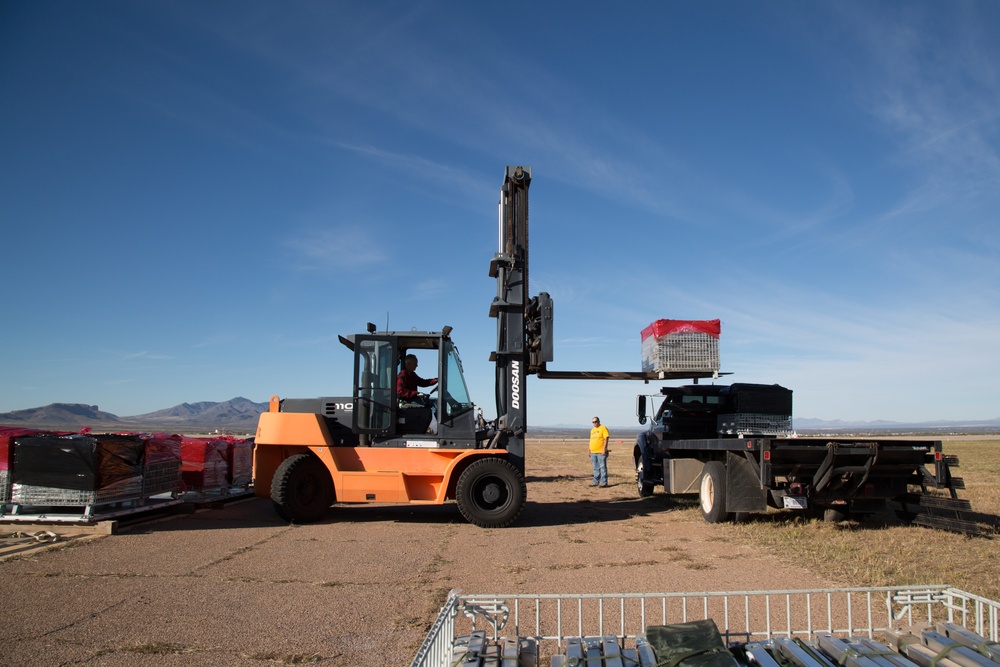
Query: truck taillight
column 767, row 455
column 938, row 456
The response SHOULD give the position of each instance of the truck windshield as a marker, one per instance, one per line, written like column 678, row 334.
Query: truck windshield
column 455, row 394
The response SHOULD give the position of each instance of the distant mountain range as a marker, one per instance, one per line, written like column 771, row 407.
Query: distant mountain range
column 237, row 415
column 806, row 424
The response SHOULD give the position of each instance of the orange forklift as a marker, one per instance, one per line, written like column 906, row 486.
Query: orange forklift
column 373, row 447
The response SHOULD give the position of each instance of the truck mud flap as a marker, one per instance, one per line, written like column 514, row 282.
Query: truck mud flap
column 744, row 492
column 943, row 513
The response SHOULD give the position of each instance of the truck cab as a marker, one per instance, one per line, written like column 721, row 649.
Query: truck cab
column 692, row 419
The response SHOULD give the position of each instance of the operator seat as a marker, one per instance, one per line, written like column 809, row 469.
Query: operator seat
column 413, row 417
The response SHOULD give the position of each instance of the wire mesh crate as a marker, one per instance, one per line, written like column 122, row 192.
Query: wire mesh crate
column 161, row 477
column 696, row 352
column 4, row 487
column 122, row 491
column 681, row 345
column 754, row 424
column 742, row 617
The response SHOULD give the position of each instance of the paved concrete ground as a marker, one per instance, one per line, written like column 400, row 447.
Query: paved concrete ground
column 238, row 586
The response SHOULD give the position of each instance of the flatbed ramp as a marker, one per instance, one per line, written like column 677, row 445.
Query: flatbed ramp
column 913, row 626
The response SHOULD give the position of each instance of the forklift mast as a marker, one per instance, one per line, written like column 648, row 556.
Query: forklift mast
column 524, row 326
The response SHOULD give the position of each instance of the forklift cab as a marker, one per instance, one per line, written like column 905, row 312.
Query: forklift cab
column 447, row 417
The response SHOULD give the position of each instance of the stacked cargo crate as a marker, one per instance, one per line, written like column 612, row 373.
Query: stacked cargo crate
column 114, row 473
column 76, row 470
column 216, row 464
column 162, row 465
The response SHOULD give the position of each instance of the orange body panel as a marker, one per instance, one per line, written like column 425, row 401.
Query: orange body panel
column 360, row 474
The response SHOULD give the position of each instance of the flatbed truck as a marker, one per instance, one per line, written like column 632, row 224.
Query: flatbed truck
column 733, row 447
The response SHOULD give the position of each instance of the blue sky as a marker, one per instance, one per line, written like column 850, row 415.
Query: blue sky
column 197, row 198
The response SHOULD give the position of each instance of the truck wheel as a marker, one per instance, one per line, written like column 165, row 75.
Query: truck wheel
column 302, row 490
column 834, row 514
column 645, row 488
column 490, row 493
column 712, row 493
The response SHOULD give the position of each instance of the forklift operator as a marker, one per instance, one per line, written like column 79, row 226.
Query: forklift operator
column 407, row 382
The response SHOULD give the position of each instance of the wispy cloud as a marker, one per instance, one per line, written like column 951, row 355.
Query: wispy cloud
column 343, row 246
column 941, row 102
column 151, row 356
column 429, row 289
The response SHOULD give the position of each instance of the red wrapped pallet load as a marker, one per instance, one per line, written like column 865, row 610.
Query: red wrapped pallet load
column 204, row 463
column 161, row 447
column 681, row 345
column 162, row 464
column 240, row 458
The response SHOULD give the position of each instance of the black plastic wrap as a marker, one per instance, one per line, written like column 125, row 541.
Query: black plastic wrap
column 119, row 457
column 765, row 399
column 77, row 462
column 61, row 463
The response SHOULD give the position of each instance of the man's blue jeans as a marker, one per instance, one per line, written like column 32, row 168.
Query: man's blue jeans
column 600, row 463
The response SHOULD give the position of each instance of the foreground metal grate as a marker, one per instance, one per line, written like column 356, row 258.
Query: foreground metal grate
column 741, row 616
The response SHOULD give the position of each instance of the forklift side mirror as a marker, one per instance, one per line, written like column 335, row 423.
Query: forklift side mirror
column 640, row 409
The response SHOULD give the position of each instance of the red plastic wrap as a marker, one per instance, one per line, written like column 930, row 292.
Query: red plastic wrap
column 161, row 448
column 204, row 462
column 665, row 327
column 240, row 457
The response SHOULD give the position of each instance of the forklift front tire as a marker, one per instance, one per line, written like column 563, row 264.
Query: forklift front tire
column 490, row 493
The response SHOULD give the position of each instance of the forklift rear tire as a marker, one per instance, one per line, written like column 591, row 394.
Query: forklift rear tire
column 712, row 493
column 490, row 493
column 302, row 489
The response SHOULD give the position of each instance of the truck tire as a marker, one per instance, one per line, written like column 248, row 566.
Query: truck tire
column 835, row 514
column 302, row 489
column 645, row 488
column 712, row 493
column 490, row 492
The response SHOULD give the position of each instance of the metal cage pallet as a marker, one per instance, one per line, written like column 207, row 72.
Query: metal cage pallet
column 119, row 492
column 742, row 616
column 155, row 489
column 208, row 494
column 681, row 352
column 161, row 477
column 754, row 424
column 83, row 513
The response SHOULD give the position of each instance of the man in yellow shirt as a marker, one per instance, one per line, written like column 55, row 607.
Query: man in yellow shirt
column 599, row 452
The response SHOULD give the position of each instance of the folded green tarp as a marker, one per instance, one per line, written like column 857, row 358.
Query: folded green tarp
column 694, row 644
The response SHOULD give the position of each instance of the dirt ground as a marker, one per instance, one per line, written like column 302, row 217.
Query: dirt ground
column 238, row 586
